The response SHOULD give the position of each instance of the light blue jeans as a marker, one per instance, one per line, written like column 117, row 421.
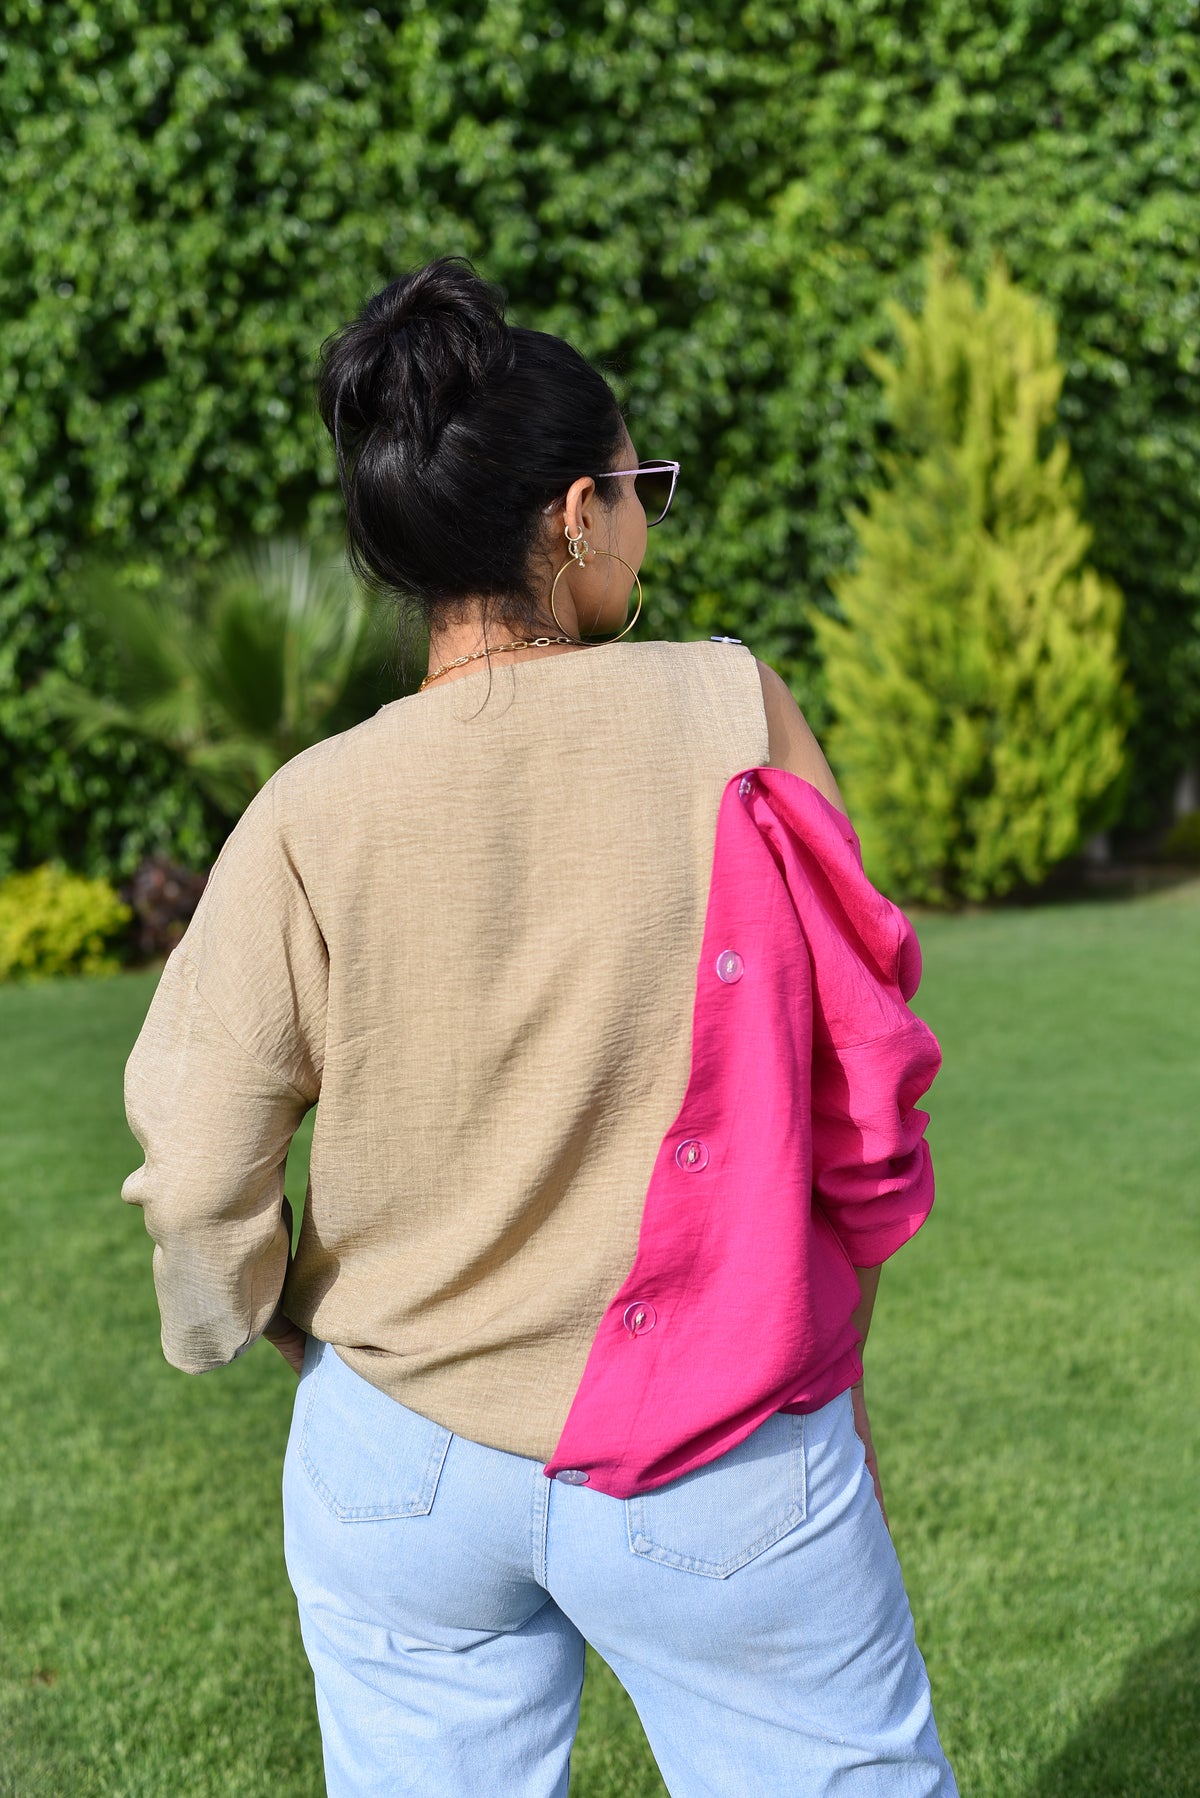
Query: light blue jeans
column 753, row 1610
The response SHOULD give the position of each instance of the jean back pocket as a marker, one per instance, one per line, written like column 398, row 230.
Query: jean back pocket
column 368, row 1456
column 719, row 1516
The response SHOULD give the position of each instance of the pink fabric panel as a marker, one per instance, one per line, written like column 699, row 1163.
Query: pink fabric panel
column 871, row 1058
column 809, row 1158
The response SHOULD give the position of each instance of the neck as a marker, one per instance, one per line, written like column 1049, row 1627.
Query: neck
column 465, row 638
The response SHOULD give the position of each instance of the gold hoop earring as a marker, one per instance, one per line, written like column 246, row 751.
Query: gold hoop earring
column 578, row 551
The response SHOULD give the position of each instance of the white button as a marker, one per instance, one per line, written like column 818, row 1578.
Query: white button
column 573, row 1476
column 729, row 965
column 745, row 786
column 639, row 1317
column 691, row 1154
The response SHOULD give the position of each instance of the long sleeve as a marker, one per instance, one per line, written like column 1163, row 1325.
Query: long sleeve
column 872, row 1057
column 872, row 1170
column 226, row 1064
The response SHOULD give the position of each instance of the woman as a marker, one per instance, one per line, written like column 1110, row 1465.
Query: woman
column 616, row 1075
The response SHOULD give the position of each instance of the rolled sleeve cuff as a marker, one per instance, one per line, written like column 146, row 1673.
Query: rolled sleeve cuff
column 872, row 1169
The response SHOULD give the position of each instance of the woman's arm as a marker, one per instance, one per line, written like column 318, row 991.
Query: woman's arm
column 227, row 1063
column 790, row 741
column 792, row 745
column 868, row 1280
column 868, row 1285
column 215, row 1126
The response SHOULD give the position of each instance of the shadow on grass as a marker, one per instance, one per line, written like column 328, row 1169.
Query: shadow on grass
column 1078, row 883
column 1145, row 1741
column 1075, row 884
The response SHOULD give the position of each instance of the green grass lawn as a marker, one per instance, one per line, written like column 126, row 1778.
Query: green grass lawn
column 1033, row 1369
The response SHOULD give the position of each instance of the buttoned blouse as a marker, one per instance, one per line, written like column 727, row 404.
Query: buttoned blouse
column 610, row 1043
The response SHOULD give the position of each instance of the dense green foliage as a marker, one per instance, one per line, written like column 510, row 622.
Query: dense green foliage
column 718, row 200
column 102, row 810
column 980, row 713
column 272, row 649
column 55, row 922
column 1068, row 136
column 1037, row 1459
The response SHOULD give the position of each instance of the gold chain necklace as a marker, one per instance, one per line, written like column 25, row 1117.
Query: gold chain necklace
column 523, row 643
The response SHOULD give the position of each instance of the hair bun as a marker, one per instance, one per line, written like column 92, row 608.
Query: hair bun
column 418, row 351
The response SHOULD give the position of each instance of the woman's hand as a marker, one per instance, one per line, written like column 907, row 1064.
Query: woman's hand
column 862, row 1424
column 289, row 1339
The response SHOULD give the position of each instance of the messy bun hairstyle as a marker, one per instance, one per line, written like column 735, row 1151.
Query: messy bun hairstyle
column 452, row 430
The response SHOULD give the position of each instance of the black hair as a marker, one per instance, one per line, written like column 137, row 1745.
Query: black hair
column 452, row 430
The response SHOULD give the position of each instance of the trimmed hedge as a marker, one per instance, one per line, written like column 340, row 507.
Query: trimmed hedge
column 719, row 200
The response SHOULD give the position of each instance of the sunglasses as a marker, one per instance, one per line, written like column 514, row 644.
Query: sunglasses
column 654, row 484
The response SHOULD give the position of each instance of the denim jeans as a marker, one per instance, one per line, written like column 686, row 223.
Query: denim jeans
column 753, row 1609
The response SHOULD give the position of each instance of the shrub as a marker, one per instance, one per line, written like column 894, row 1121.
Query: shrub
column 101, row 809
column 162, row 897
column 1182, row 841
column 232, row 668
column 54, row 922
column 976, row 679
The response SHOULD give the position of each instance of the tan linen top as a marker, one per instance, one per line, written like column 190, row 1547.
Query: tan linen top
column 469, row 927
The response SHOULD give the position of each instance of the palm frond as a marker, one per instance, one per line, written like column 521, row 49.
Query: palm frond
column 235, row 672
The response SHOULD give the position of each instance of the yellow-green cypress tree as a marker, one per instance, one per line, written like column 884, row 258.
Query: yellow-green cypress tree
column 979, row 695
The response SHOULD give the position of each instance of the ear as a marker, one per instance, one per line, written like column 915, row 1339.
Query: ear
column 579, row 510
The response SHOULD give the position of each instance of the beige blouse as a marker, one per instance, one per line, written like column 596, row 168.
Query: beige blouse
column 469, row 927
